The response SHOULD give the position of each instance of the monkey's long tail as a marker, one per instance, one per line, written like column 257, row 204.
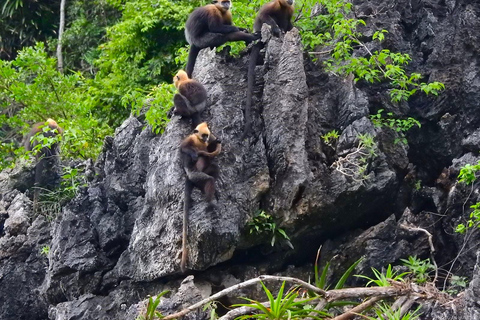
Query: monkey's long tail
column 192, row 57
column 187, row 201
column 252, row 62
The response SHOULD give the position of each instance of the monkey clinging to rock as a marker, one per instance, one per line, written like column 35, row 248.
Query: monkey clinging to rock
column 197, row 152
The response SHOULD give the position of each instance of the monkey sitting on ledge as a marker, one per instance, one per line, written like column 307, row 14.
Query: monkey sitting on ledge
column 211, row 26
column 191, row 98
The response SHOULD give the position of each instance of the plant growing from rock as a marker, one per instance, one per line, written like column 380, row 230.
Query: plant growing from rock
column 264, row 224
column 151, row 312
column 468, row 175
column 45, row 250
column 332, row 25
column 401, row 126
column 284, row 307
column 51, row 201
column 385, row 312
column 419, row 268
column 280, row 307
column 355, row 164
column 382, row 279
column 330, row 138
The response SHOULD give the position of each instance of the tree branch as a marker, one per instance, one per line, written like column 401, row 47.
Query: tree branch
column 247, row 283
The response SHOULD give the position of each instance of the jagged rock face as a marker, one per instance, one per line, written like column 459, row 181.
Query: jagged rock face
column 120, row 239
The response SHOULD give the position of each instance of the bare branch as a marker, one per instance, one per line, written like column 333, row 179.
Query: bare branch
column 430, row 242
column 358, row 309
column 243, row 285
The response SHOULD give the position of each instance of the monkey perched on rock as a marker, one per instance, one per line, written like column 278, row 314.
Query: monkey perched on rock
column 211, row 26
column 191, row 98
column 277, row 14
column 46, row 158
column 196, row 152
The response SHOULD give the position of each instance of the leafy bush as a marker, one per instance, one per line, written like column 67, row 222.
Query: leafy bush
column 281, row 307
column 382, row 279
column 328, row 24
column 399, row 125
column 468, row 175
column 419, row 268
column 32, row 90
column 264, row 224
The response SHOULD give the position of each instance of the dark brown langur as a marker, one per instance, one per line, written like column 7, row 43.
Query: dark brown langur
column 278, row 15
column 196, row 153
column 46, row 158
column 191, row 98
column 211, row 26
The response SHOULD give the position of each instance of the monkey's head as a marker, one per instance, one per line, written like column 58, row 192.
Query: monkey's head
column 222, row 5
column 180, row 77
column 202, row 132
column 286, row 3
column 53, row 125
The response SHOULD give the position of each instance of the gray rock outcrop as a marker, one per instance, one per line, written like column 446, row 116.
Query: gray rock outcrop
column 119, row 240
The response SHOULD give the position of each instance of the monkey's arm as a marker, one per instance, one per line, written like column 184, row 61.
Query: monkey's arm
column 219, row 27
column 213, row 153
column 289, row 25
column 187, row 148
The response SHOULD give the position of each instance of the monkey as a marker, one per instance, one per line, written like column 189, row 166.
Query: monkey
column 196, row 153
column 191, row 98
column 211, row 26
column 46, row 158
column 278, row 14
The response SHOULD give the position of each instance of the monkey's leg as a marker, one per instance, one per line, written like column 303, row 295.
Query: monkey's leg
column 192, row 57
column 204, row 182
column 201, row 164
column 182, row 106
column 242, row 36
column 214, row 171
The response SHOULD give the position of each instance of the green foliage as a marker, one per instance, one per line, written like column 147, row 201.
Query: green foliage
column 45, row 250
column 159, row 100
column 151, row 312
column 418, row 185
column 320, row 280
column 281, row 307
column 24, row 22
column 399, row 125
column 132, row 58
column 457, row 284
column 212, row 306
column 468, row 173
column 355, row 164
column 45, row 139
column 419, row 268
column 264, row 224
column 327, row 25
column 382, row 279
column 385, row 312
column 51, row 201
column 330, row 137
column 473, row 222
column 32, row 90
column 87, row 21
